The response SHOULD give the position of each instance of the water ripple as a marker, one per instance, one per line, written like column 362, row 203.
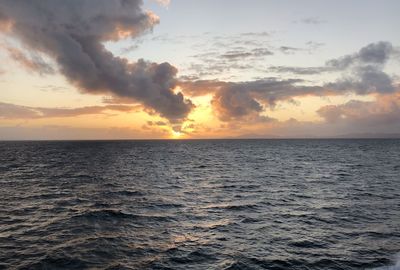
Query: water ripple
column 223, row 204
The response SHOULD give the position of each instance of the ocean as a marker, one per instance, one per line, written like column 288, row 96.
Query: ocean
column 200, row 204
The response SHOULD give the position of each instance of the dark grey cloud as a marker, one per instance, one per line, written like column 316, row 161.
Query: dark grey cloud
column 233, row 103
column 13, row 111
column 373, row 54
column 72, row 33
column 364, row 70
column 365, row 80
column 272, row 90
column 244, row 100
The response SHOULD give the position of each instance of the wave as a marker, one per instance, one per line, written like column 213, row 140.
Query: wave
column 396, row 266
column 117, row 214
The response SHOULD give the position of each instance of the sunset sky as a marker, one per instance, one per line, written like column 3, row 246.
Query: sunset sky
column 127, row 69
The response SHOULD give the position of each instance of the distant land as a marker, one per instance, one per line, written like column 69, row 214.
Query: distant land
column 341, row 136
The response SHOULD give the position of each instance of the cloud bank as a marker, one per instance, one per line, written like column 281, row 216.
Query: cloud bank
column 363, row 74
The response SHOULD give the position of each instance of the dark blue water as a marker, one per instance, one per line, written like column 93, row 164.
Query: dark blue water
column 223, row 204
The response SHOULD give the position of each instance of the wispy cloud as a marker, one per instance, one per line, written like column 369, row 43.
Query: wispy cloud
column 32, row 62
column 164, row 3
column 310, row 20
column 13, row 111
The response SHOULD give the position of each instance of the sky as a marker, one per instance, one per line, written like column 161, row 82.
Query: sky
column 183, row 69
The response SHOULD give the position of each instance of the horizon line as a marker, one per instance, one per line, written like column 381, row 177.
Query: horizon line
column 202, row 139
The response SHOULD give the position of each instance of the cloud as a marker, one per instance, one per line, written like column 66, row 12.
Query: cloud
column 365, row 80
column 13, row 111
column 313, row 45
column 363, row 71
column 243, row 100
column 32, row 62
column 373, row 54
column 261, row 52
column 288, row 50
column 240, row 100
column 310, row 20
column 164, row 3
column 255, row 34
column 240, row 55
column 233, row 55
column 271, row 90
column 74, row 39
column 233, row 103
column 156, row 123
column 310, row 47
column 201, row 87
column 382, row 112
column 223, row 56
column 299, row 70
column 366, row 69
column 53, row 88
column 353, row 119
column 222, row 60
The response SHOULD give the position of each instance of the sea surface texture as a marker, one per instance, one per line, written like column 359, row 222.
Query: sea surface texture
column 214, row 204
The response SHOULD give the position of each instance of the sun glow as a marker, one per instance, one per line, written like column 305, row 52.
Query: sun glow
column 176, row 134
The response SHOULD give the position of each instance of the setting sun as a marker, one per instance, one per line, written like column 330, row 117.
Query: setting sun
column 176, row 134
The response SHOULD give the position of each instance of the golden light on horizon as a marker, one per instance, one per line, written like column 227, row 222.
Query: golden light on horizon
column 176, row 134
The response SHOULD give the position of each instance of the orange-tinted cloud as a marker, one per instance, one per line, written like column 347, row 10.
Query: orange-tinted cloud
column 12, row 111
column 33, row 63
column 385, row 110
